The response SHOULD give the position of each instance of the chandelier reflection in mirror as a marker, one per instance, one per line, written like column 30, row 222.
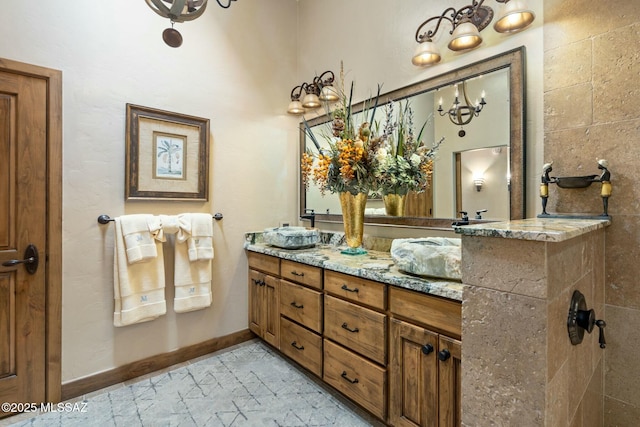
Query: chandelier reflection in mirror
column 462, row 112
column 320, row 90
column 466, row 23
column 180, row 11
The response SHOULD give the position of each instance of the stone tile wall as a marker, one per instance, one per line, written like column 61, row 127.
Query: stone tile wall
column 592, row 110
column 519, row 364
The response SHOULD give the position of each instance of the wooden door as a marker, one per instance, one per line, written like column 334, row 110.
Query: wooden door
column 413, row 376
column 23, row 222
column 450, row 382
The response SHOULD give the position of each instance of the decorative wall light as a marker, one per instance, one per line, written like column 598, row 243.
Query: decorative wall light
column 467, row 22
column 319, row 90
column 461, row 113
column 180, row 11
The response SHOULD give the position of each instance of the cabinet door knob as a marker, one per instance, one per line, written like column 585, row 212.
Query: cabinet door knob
column 444, row 354
column 427, row 349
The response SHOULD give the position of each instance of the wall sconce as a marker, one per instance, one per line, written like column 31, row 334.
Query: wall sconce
column 319, row 90
column 179, row 11
column 467, row 22
column 478, row 181
column 461, row 114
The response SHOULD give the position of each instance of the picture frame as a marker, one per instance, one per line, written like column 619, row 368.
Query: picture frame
column 167, row 155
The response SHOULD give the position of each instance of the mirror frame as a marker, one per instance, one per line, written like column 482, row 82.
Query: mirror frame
column 512, row 60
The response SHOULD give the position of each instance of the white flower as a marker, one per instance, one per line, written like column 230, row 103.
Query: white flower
column 381, row 154
column 415, row 159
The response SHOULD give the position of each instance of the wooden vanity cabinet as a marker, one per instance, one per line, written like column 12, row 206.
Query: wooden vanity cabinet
column 393, row 351
column 264, row 297
column 424, row 365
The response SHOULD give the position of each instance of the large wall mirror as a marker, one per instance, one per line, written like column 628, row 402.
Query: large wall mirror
column 479, row 168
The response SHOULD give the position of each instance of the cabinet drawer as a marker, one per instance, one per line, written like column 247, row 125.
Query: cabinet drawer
column 439, row 313
column 267, row 263
column 357, row 378
column 301, row 304
column 302, row 273
column 301, row 345
column 355, row 289
column 357, row 328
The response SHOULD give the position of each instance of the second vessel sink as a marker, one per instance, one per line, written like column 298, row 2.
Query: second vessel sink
column 428, row 256
column 291, row 237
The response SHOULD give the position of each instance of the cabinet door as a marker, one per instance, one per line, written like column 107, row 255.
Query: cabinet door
column 413, row 376
column 256, row 322
column 449, row 382
column 271, row 307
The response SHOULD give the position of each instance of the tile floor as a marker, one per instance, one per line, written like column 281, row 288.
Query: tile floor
column 246, row 385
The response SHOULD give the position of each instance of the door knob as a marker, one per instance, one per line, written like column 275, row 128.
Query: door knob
column 427, row 349
column 30, row 260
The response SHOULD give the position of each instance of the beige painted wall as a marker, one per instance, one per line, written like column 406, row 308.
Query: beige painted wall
column 235, row 68
column 591, row 111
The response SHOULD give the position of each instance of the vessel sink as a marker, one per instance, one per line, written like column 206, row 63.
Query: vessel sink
column 291, row 237
column 428, row 256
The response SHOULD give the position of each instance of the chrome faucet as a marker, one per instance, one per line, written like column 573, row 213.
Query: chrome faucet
column 479, row 213
column 311, row 216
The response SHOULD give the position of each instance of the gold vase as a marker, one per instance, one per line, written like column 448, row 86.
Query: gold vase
column 353, row 219
column 394, row 204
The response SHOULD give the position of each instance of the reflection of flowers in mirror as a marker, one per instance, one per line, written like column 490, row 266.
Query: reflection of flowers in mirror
column 404, row 161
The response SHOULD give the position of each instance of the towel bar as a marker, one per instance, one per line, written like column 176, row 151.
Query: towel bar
column 106, row 219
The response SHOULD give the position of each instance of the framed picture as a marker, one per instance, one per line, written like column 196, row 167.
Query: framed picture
column 167, row 155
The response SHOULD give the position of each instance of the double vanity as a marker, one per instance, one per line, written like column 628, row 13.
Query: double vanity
column 392, row 342
column 387, row 340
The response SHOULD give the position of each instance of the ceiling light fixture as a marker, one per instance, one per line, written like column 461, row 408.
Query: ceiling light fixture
column 461, row 113
column 467, row 22
column 180, row 11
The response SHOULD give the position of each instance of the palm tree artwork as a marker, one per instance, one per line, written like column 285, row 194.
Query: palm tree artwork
column 170, row 158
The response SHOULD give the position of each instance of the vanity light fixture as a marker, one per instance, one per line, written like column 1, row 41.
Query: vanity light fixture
column 467, row 22
column 180, row 11
column 461, row 113
column 318, row 91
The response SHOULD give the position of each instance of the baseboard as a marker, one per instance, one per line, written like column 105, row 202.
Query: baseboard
column 151, row 364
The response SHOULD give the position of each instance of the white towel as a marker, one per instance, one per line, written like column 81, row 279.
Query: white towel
column 138, row 288
column 139, row 243
column 200, row 242
column 193, row 255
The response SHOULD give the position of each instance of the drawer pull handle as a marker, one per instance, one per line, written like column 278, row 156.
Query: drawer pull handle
column 296, row 305
column 352, row 381
column 345, row 326
column 348, row 289
column 258, row 282
column 295, row 273
column 296, row 346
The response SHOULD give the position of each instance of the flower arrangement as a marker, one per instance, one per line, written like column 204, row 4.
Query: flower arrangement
column 347, row 164
column 403, row 162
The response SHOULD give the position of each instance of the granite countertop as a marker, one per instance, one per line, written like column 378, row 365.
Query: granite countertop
column 538, row 229
column 374, row 265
